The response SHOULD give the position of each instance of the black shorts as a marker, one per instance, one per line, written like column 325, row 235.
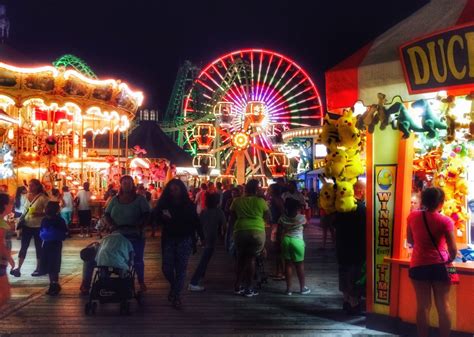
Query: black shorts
column 50, row 261
column 431, row 272
column 85, row 218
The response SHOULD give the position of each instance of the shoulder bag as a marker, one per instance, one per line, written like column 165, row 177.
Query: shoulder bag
column 21, row 220
column 452, row 273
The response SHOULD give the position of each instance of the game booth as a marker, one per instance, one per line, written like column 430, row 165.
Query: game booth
column 410, row 94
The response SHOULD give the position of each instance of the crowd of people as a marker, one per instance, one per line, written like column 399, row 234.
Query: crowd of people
column 236, row 215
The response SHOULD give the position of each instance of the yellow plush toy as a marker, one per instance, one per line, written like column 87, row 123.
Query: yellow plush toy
column 345, row 201
column 354, row 166
column 327, row 198
column 349, row 134
column 335, row 163
column 329, row 136
column 455, row 211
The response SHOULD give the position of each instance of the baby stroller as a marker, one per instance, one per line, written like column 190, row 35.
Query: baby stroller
column 112, row 285
column 261, row 277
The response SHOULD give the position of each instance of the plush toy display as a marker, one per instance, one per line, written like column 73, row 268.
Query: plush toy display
column 335, row 163
column 345, row 201
column 327, row 198
column 354, row 166
column 455, row 211
column 451, row 177
column 343, row 163
column 329, row 136
column 349, row 134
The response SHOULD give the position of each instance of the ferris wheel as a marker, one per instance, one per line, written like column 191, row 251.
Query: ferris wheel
column 238, row 107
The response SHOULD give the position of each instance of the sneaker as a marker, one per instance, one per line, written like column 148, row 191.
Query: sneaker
column 250, row 293
column 81, row 235
column 239, row 291
column 305, row 291
column 288, row 293
column 36, row 273
column 15, row 272
column 54, row 289
column 196, row 288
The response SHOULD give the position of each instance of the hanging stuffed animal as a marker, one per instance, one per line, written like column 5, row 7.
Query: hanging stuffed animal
column 349, row 134
column 354, row 166
column 453, row 209
column 345, row 201
column 335, row 163
column 327, row 198
column 430, row 121
column 329, row 136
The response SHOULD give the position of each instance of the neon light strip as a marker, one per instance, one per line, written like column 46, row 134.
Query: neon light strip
column 273, row 106
column 258, row 76
column 273, row 78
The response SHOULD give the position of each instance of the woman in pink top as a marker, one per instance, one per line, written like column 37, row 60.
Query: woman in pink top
column 427, row 269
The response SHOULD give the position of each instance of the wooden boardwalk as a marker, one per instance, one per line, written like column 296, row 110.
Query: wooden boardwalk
column 215, row 312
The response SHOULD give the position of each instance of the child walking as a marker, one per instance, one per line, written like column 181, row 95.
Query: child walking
column 5, row 249
column 53, row 232
column 292, row 244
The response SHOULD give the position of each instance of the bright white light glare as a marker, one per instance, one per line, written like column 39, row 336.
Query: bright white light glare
column 320, row 151
column 359, row 108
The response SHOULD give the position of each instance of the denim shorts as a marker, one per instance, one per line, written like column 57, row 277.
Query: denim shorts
column 431, row 272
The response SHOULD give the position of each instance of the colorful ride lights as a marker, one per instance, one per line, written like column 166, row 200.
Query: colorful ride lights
column 277, row 163
column 255, row 113
column 204, row 134
column 241, row 140
column 223, row 113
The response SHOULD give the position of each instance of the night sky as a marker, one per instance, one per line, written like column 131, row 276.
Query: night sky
column 144, row 42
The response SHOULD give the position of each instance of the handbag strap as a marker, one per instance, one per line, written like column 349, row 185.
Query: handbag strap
column 431, row 236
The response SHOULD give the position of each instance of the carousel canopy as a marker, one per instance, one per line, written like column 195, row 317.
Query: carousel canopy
column 149, row 136
column 376, row 68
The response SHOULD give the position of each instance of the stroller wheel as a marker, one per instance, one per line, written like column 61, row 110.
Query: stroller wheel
column 90, row 308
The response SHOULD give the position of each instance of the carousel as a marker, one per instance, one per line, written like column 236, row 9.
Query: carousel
column 46, row 115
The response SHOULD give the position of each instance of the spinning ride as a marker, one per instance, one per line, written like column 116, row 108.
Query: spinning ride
column 45, row 114
column 238, row 107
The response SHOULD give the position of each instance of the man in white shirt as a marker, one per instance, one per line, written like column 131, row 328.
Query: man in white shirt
column 84, row 210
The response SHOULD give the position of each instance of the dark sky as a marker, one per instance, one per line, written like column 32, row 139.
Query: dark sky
column 143, row 42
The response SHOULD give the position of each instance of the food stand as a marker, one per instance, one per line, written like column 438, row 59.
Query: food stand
column 412, row 89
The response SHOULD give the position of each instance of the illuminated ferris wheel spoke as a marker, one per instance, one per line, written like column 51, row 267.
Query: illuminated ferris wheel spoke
column 266, row 75
column 240, row 87
column 272, row 106
column 252, row 85
column 258, row 76
column 272, row 78
column 285, row 109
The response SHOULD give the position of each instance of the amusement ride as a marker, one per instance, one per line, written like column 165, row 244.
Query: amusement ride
column 230, row 115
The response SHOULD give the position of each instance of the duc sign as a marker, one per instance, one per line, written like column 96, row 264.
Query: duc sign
column 441, row 61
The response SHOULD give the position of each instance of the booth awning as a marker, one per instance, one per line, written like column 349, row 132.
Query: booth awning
column 377, row 68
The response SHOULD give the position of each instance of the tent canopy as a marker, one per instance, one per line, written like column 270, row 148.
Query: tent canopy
column 377, row 68
column 149, row 136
